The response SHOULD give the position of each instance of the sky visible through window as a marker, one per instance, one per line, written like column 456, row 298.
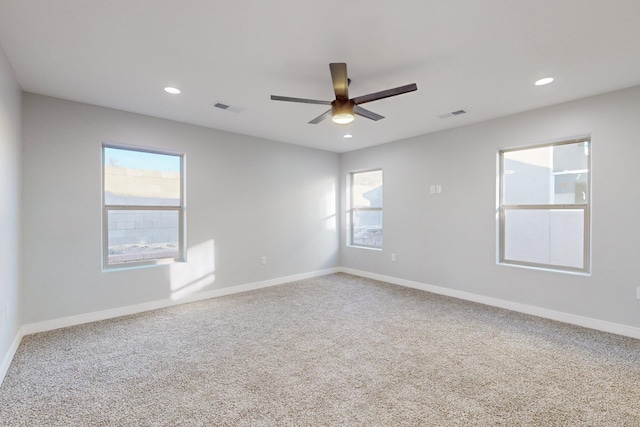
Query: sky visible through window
column 141, row 160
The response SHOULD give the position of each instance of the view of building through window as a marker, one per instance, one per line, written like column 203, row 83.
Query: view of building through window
column 544, row 207
column 143, row 202
column 366, row 209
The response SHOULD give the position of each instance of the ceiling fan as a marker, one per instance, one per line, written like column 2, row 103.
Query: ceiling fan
column 343, row 109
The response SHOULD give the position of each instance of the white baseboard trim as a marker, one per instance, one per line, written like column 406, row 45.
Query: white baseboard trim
column 6, row 362
column 48, row 325
column 64, row 322
column 587, row 322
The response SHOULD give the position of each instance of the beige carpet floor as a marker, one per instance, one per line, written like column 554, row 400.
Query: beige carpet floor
column 337, row 350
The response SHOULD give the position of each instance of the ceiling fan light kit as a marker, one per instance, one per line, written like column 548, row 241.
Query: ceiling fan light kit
column 342, row 112
column 343, row 109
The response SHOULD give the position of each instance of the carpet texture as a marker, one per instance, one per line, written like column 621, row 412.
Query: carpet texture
column 337, row 350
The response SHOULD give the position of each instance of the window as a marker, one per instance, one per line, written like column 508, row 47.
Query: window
column 143, row 207
column 366, row 209
column 544, row 206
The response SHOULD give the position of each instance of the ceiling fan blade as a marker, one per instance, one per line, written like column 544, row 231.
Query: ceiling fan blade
column 366, row 113
column 340, row 79
column 320, row 118
column 385, row 93
column 303, row 100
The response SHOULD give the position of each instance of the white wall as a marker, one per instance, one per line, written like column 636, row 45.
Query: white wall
column 246, row 198
column 10, row 126
column 449, row 240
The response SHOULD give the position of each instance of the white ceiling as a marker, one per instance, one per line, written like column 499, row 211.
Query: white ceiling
column 479, row 55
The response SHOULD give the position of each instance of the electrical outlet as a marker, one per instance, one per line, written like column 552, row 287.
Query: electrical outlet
column 432, row 189
column 264, row 260
column 638, row 292
column 393, row 257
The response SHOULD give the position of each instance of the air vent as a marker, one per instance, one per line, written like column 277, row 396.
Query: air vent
column 453, row 113
column 232, row 108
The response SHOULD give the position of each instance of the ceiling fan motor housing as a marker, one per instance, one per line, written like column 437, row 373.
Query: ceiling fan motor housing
column 342, row 106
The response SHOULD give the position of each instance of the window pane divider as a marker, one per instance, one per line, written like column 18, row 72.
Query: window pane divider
column 367, row 209
column 143, row 207
column 545, row 207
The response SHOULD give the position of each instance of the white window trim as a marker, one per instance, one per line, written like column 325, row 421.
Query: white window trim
column 106, row 266
column 586, row 208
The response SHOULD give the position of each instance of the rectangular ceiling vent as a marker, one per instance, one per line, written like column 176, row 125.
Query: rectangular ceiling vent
column 453, row 113
column 232, row 108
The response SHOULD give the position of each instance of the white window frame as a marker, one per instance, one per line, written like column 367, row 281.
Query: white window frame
column 150, row 260
column 584, row 207
column 353, row 210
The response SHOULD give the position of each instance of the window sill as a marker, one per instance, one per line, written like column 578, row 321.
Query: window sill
column 548, row 269
column 370, row 248
column 144, row 264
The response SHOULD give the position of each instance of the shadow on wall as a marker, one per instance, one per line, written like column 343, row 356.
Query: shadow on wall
column 198, row 272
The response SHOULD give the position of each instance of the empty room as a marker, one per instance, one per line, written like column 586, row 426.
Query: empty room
column 338, row 213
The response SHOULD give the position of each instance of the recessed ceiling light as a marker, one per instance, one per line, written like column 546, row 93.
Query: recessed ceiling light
column 347, row 136
column 172, row 90
column 544, row 81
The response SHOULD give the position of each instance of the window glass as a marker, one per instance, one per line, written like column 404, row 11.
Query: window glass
column 367, row 189
column 143, row 207
column 554, row 237
column 141, row 235
column 138, row 178
column 366, row 209
column 367, row 228
column 546, row 175
column 544, row 208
